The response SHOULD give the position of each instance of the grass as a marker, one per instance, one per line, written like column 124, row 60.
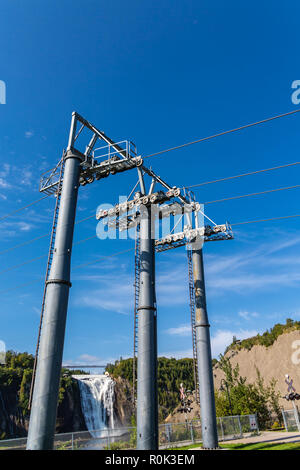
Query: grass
column 191, row 446
column 253, row 446
column 263, row 446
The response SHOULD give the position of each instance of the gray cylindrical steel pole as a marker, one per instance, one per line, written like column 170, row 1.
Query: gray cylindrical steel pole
column 46, row 387
column 147, row 428
column 205, row 373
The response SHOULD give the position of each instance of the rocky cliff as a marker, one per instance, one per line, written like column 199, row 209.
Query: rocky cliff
column 14, row 419
column 273, row 362
column 123, row 404
column 69, row 413
column 282, row 357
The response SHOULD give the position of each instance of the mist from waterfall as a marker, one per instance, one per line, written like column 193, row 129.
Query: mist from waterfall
column 97, row 402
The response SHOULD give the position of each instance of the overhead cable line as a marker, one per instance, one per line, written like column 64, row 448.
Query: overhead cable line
column 19, row 286
column 103, row 257
column 27, row 242
column 24, row 207
column 76, row 267
column 22, row 264
column 205, row 203
column 241, row 175
column 265, row 220
column 252, row 194
column 42, row 236
column 131, row 249
column 213, row 136
column 42, row 256
column 178, row 147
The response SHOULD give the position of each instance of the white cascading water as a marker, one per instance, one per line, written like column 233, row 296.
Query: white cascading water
column 97, row 402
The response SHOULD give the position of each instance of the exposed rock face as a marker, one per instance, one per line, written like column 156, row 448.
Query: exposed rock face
column 123, row 405
column 273, row 362
column 177, row 417
column 69, row 414
column 70, row 418
column 12, row 422
column 283, row 357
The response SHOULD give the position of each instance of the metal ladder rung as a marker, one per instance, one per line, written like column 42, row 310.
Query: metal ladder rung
column 193, row 321
column 136, row 304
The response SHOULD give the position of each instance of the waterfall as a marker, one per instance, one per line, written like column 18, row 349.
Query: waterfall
column 97, row 402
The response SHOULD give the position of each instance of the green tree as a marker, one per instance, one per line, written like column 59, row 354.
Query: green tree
column 25, row 390
column 267, row 338
column 170, row 374
column 247, row 398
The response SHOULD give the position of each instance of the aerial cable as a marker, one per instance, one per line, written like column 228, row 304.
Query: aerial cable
column 131, row 249
column 32, row 240
column 75, row 268
column 241, row 175
column 24, row 207
column 252, row 194
column 185, row 145
column 265, row 220
column 221, row 133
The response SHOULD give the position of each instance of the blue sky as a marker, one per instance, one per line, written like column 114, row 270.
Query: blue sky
column 160, row 73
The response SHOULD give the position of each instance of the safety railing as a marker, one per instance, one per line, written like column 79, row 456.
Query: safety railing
column 291, row 420
column 123, row 149
column 170, row 435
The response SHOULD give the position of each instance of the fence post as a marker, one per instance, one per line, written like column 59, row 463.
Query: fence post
column 192, row 432
column 256, row 420
column 296, row 414
column 284, row 419
column 221, row 425
column 240, row 426
column 72, row 441
column 167, row 431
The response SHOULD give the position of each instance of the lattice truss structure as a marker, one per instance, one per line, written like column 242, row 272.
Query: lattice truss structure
column 166, row 202
column 100, row 157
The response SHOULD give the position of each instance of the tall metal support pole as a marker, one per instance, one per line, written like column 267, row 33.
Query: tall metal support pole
column 155, row 342
column 45, row 394
column 147, row 420
column 205, row 373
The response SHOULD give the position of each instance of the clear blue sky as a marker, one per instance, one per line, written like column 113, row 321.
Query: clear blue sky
column 160, row 73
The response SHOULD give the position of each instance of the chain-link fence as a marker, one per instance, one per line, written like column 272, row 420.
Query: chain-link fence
column 236, row 427
column 107, row 439
column 179, row 433
column 228, row 427
column 123, row 438
column 170, row 435
column 291, row 420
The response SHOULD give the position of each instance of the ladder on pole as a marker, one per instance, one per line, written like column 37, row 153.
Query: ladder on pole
column 137, row 270
column 49, row 263
column 193, row 322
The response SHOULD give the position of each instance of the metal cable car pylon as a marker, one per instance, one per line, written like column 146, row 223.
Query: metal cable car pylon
column 49, row 262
